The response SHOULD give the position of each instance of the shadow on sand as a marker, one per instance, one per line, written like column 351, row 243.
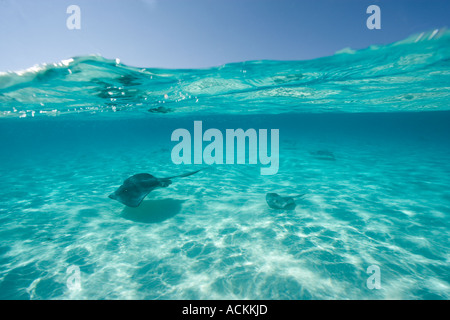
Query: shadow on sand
column 153, row 211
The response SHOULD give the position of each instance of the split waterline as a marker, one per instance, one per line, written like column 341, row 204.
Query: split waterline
column 362, row 136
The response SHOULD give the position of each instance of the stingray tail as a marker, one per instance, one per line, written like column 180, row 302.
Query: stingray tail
column 299, row 195
column 182, row 175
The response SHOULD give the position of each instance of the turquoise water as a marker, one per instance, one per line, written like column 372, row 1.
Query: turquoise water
column 71, row 132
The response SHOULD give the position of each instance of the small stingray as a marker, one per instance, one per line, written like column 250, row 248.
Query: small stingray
column 275, row 201
column 137, row 187
column 323, row 155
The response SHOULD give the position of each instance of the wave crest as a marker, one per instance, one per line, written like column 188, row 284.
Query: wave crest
column 409, row 75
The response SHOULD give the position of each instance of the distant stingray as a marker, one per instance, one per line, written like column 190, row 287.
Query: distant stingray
column 137, row 187
column 275, row 201
column 323, row 155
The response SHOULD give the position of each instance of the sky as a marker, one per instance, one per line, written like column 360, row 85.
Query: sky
column 204, row 33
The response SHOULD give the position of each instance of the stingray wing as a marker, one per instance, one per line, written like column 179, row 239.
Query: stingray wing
column 135, row 189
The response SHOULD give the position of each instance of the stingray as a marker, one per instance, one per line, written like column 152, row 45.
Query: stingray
column 137, row 187
column 323, row 155
column 275, row 201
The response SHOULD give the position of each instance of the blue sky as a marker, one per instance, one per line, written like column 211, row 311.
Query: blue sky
column 203, row 33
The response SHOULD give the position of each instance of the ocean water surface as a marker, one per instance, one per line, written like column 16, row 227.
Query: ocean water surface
column 363, row 134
